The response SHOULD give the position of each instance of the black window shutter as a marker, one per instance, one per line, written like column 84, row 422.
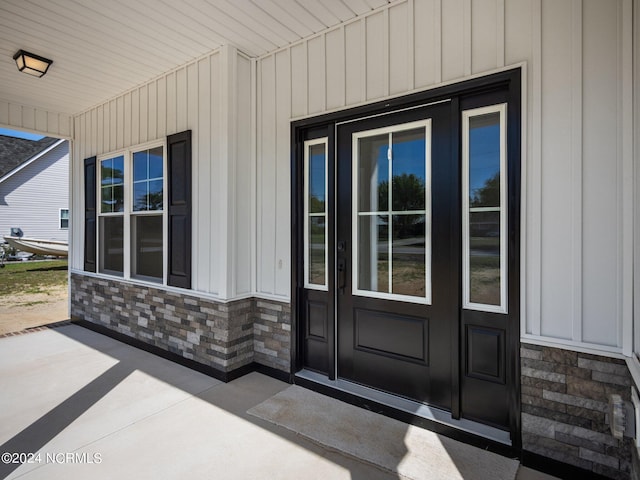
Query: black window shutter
column 90, row 214
column 179, row 196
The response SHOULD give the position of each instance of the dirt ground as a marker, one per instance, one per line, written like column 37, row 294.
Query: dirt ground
column 19, row 312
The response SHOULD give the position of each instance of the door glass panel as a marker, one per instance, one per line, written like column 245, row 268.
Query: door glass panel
column 392, row 238
column 409, row 170
column 373, row 173
column 408, row 255
column 315, row 214
column 373, row 251
column 484, row 212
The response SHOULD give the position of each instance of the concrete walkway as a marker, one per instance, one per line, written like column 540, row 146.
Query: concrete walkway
column 75, row 404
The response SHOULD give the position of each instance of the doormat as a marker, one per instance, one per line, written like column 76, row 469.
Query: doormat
column 409, row 451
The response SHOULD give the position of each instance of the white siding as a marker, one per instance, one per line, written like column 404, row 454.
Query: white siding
column 577, row 60
column 577, row 149
column 31, row 199
column 22, row 117
column 191, row 97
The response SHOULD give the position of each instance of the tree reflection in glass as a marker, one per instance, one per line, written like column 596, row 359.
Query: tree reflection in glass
column 484, row 209
column 112, row 185
column 392, row 257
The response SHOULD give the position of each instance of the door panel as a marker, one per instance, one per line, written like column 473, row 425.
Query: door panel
column 394, row 320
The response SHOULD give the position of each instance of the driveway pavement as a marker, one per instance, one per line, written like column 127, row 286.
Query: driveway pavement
column 75, row 404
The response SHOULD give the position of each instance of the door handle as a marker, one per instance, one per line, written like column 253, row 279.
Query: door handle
column 342, row 274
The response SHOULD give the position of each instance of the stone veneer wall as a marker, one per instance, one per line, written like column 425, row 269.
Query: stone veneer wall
column 272, row 334
column 225, row 336
column 565, row 397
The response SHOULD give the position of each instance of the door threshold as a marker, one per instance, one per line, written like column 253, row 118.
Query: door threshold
column 416, row 409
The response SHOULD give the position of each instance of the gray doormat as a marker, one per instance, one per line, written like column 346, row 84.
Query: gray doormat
column 412, row 452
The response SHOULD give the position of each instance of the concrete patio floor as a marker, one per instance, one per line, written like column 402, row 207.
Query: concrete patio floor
column 87, row 406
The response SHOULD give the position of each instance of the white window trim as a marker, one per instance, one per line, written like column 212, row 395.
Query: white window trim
column 128, row 212
column 60, row 227
column 466, row 276
column 426, row 300
column 307, row 144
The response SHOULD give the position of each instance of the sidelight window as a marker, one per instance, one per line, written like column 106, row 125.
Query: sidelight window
column 315, row 214
column 484, row 200
column 392, row 212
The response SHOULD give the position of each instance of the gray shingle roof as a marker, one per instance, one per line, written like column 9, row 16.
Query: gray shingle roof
column 15, row 151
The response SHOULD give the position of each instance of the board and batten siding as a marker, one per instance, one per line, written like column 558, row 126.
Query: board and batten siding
column 577, row 138
column 36, row 120
column 32, row 197
column 190, row 97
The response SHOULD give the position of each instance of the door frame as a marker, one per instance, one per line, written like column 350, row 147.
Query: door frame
column 325, row 125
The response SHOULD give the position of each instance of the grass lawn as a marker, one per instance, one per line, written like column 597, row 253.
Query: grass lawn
column 32, row 277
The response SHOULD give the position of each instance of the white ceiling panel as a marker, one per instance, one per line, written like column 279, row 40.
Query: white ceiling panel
column 101, row 48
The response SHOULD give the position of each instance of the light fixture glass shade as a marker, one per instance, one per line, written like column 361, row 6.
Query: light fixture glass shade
column 32, row 64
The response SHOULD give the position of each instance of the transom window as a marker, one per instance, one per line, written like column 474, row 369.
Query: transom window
column 131, row 233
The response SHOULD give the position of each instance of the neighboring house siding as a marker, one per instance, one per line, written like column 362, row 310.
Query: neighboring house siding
column 31, row 199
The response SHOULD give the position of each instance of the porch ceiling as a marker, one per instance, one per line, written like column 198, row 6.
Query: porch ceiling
column 102, row 48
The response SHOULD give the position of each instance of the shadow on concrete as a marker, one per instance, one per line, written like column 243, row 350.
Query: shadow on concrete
column 235, row 398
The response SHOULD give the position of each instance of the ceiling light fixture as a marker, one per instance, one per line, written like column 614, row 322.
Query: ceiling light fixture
column 32, row 64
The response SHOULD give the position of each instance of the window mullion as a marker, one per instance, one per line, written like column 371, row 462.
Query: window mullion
column 128, row 207
column 390, row 210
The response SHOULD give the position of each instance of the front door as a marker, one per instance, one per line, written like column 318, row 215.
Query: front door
column 397, row 281
column 409, row 250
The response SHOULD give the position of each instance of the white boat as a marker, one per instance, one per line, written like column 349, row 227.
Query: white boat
column 39, row 246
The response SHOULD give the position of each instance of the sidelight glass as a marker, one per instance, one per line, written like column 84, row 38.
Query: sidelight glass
column 317, row 250
column 315, row 214
column 392, row 210
column 484, row 211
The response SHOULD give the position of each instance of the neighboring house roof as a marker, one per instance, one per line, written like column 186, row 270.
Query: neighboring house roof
column 16, row 153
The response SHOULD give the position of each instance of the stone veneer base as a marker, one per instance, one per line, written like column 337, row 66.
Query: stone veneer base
column 226, row 337
column 565, row 398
